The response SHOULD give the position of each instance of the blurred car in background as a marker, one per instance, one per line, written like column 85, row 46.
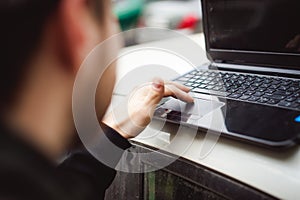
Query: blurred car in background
column 128, row 12
column 181, row 15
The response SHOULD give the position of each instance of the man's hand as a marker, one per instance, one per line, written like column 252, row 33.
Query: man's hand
column 131, row 118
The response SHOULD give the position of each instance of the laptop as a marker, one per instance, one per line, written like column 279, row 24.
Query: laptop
column 250, row 90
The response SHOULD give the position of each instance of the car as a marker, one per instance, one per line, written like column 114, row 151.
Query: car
column 184, row 16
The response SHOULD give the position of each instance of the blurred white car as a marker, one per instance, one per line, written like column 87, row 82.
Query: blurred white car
column 184, row 16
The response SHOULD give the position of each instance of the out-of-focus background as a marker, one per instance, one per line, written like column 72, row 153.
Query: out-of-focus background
column 181, row 15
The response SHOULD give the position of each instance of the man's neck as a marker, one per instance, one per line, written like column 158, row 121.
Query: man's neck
column 42, row 114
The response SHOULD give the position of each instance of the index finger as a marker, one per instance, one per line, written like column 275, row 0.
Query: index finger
column 178, row 85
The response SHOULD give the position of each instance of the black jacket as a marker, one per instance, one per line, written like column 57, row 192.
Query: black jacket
column 26, row 174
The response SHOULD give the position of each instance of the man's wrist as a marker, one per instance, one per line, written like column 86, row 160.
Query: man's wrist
column 115, row 137
column 117, row 129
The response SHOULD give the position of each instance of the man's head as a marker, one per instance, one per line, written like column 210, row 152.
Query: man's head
column 43, row 44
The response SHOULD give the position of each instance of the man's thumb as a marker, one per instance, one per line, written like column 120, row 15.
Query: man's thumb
column 158, row 90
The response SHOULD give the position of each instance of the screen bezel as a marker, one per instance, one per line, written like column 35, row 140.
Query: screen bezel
column 256, row 58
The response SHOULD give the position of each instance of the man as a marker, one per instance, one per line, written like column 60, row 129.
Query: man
column 43, row 44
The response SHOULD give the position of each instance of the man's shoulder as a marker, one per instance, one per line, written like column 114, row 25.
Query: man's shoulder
column 24, row 173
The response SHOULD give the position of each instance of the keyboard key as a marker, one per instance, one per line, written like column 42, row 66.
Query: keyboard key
column 227, row 75
column 203, row 78
column 265, row 85
column 272, row 102
column 247, row 83
column 296, row 95
column 275, row 82
column 242, row 78
column 258, row 94
column 291, row 99
column 249, row 92
column 220, row 83
column 268, row 81
column 270, row 91
column 288, row 104
column 239, row 91
column 205, row 82
column 284, row 103
column 261, row 89
column 235, row 96
column 263, row 100
column 189, row 76
column 218, row 88
column 286, row 83
column 256, row 84
column 250, row 78
column 202, row 86
column 245, row 97
column 296, row 83
column 240, row 82
column 253, row 98
column 273, row 86
column 234, row 76
column 293, row 89
column 188, row 84
column 234, row 87
column 183, row 79
column 283, row 88
column 258, row 80
column 244, row 87
column 213, row 83
column 201, row 71
column 209, row 87
column 253, row 88
column 283, row 93
column 275, row 97
column 231, row 90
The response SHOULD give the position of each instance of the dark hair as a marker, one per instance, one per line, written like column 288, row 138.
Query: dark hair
column 22, row 23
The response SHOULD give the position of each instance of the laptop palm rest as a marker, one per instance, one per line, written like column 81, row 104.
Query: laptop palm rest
column 265, row 125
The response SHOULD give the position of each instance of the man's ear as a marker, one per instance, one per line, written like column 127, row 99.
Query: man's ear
column 76, row 30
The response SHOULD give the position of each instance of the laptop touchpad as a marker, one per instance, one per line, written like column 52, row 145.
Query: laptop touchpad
column 198, row 109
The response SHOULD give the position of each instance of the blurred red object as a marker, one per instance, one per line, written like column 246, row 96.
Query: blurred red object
column 190, row 21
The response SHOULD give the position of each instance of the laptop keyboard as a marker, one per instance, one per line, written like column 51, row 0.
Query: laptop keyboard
column 268, row 90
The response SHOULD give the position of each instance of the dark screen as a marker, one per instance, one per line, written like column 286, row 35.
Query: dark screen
column 254, row 25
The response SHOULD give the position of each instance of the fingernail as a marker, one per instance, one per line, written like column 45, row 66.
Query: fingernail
column 156, row 85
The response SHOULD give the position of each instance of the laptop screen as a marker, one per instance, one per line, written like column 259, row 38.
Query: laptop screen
column 268, row 28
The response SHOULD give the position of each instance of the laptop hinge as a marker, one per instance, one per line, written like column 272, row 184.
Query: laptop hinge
column 255, row 69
